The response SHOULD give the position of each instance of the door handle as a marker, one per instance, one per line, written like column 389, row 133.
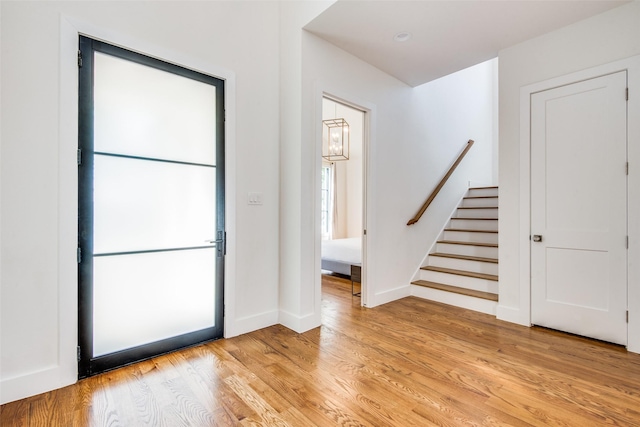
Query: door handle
column 220, row 243
column 220, row 239
column 537, row 238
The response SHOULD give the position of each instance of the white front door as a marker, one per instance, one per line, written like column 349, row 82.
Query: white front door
column 579, row 208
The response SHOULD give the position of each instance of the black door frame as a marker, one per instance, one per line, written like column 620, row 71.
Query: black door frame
column 88, row 364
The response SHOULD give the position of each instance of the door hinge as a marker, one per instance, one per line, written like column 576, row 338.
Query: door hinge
column 80, row 59
column 79, row 353
column 79, row 255
column 627, row 168
column 627, row 242
column 627, row 94
column 79, row 156
column 627, row 316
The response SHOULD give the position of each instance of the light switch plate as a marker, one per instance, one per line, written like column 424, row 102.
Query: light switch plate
column 255, row 198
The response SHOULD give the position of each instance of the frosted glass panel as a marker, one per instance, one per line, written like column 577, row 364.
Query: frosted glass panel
column 142, row 111
column 143, row 205
column 147, row 297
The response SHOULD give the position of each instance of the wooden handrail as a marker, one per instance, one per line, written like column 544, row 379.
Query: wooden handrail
column 444, row 179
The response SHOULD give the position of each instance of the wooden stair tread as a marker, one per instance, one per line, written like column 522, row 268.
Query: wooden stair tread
column 456, row 242
column 480, row 197
column 477, row 218
column 465, row 257
column 485, row 276
column 456, row 290
column 471, row 231
column 483, row 188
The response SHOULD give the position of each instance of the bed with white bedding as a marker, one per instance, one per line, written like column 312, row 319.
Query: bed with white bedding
column 339, row 255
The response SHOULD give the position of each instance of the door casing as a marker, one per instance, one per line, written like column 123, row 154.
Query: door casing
column 522, row 312
column 576, row 229
column 65, row 371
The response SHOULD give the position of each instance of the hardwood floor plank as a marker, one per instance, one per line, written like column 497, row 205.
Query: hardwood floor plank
column 266, row 413
column 425, row 389
column 198, row 387
column 222, row 419
column 318, row 379
column 371, row 363
column 406, row 363
column 16, row 413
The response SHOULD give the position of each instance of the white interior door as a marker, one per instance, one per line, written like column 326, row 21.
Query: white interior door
column 579, row 208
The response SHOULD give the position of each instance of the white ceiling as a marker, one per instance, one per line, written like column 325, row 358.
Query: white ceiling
column 447, row 36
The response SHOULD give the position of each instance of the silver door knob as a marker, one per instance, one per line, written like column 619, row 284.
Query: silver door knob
column 537, row 238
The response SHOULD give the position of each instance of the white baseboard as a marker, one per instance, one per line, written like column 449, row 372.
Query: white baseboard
column 388, row 296
column 512, row 315
column 35, row 383
column 633, row 344
column 299, row 324
column 251, row 323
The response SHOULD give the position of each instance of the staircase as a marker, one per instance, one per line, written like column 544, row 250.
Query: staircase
column 463, row 268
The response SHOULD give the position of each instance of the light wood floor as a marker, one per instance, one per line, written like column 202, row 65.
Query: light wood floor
column 407, row 363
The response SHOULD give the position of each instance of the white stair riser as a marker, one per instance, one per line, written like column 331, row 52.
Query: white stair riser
column 477, row 213
column 478, row 192
column 469, row 250
column 471, row 236
column 466, row 282
column 456, row 300
column 493, row 201
column 463, row 264
column 474, row 224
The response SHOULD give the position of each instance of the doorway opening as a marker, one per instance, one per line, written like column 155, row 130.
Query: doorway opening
column 343, row 196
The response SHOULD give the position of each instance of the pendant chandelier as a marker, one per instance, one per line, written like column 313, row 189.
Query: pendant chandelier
column 335, row 139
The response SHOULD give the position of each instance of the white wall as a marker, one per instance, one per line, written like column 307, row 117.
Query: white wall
column 415, row 136
column 299, row 292
column 602, row 39
column 463, row 105
column 38, row 184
